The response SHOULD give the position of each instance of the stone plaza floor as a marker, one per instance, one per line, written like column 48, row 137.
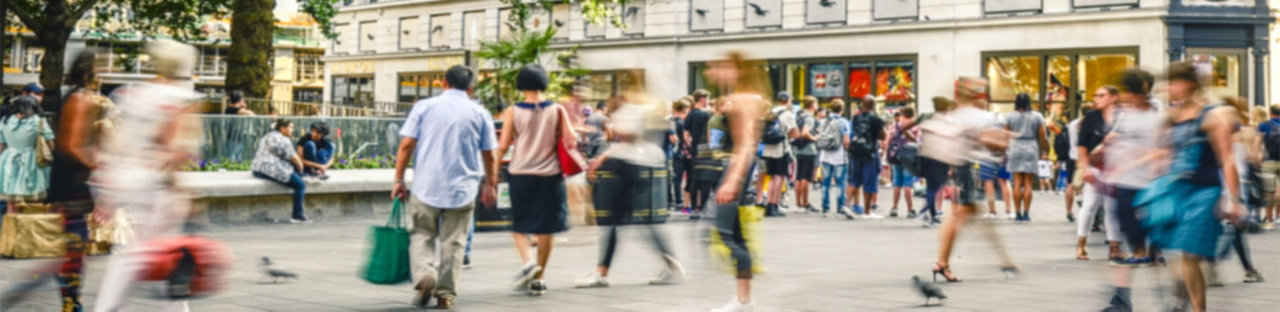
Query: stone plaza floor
column 813, row 264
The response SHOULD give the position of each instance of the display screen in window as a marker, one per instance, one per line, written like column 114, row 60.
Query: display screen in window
column 826, row 80
column 859, row 80
column 895, row 82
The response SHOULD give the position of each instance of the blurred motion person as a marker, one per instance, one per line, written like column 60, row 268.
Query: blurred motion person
column 1027, row 127
column 317, row 151
column 277, row 161
column 450, row 139
column 21, row 178
column 534, row 128
column 1201, row 137
column 1246, row 152
column 709, row 163
column 74, row 157
column 935, row 173
column 596, row 131
column 984, row 135
column 736, row 146
column 156, row 136
column 628, row 163
column 866, row 136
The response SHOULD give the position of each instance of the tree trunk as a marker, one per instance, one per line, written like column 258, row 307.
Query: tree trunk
column 53, row 37
column 248, row 69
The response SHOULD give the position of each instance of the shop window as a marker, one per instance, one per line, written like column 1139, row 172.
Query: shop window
column 1010, row 75
column 859, row 80
column 826, row 80
column 1222, row 74
column 416, row 86
column 408, row 33
column 633, row 16
column 1097, row 70
column 826, row 11
column 440, row 30
column 885, row 10
column 307, row 95
column 472, row 28
column 352, row 89
column 895, row 82
column 706, row 15
column 763, row 13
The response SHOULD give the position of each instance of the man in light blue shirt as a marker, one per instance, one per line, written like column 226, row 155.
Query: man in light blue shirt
column 452, row 139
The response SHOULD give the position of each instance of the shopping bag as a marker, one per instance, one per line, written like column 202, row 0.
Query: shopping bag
column 33, row 235
column 388, row 261
column 192, row 266
column 749, row 217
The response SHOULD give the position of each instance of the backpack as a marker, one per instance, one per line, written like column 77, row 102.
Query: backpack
column 1271, row 140
column 895, row 143
column 773, row 133
column 801, row 118
column 862, row 143
column 829, row 134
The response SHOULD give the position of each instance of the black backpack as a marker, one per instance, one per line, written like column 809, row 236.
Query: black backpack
column 800, row 123
column 773, row 134
column 1271, row 140
column 862, row 142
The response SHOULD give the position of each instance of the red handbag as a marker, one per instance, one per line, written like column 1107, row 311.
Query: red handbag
column 571, row 160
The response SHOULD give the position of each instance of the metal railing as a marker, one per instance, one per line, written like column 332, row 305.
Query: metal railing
column 233, row 140
column 325, row 108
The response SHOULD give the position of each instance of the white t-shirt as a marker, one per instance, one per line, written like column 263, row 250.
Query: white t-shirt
column 786, row 120
column 973, row 120
column 1045, row 169
column 1073, row 135
column 1135, row 134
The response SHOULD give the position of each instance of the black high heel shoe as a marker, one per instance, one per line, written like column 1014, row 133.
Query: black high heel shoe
column 1011, row 271
column 945, row 271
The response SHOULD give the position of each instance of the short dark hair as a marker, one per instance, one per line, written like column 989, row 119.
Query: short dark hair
column 808, row 102
column 81, row 74
column 321, row 127
column 1136, row 81
column 236, row 97
column 1275, row 110
column 868, row 102
column 1022, row 102
column 700, row 94
column 679, row 105
column 281, row 124
column 459, row 77
column 1186, row 72
column 600, row 105
column 908, row 112
column 532, row 78
column 837, row 106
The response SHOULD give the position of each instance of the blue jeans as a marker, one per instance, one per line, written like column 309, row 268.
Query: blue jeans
column 316, row 155
column 299, row 192
column 833, row 173
column 935, row 177
column 901, row 177
column 865, row 174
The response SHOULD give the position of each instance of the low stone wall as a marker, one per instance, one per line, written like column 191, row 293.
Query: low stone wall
column 238, row 197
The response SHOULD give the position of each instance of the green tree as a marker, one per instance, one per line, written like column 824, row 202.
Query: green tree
column 52, row 22
column 248, row 64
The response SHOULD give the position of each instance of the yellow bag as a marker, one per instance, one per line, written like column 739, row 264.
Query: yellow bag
column 33, row 235
column 750, row 218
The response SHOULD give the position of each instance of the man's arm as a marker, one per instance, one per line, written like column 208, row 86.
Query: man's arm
column 403, row 155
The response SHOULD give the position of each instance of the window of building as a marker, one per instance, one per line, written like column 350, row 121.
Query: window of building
column 706, row 15
column 826, row 11
column 888, row 10
column 352, row 89
column 890, row 79
column 560, row 20
column 338, row 45
column 472, row 28
column 1083, row 4
column 440, row 30
column 1066, row 76
column 763, row 13
column 308, row 66
column 416, row 86
column 1011, row 6
column 506, row 30
column 1223, row 70
column 213, row 61
column 633, row 15
column 603, row 85
column 408, row 32
column 307, row 95
column 32, row 58
column 366, row 39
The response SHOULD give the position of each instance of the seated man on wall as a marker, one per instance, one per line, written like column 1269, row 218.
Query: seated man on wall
column 317, row 151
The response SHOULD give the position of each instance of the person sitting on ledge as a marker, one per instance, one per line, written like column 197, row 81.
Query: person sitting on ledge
column 316, row 151
column 277, row 162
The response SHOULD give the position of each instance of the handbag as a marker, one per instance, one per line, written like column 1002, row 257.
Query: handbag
column 44, row 149
column 571, row 160
column 388, row 261
column 191, row 266
column 32, row 235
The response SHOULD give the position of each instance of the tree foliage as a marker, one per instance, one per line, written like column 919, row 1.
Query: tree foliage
column 323, row 12
column 248, row 59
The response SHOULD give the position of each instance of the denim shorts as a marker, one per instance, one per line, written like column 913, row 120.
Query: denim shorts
column 902, row 177
column 865, row 174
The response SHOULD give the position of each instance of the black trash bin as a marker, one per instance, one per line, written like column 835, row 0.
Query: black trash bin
column 650, row 195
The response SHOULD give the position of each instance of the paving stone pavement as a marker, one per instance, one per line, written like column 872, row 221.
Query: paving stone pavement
column 813, row 263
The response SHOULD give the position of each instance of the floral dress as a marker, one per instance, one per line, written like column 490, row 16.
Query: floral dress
column 19, row 174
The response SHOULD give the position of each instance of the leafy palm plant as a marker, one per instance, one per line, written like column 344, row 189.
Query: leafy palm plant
column 506, row 57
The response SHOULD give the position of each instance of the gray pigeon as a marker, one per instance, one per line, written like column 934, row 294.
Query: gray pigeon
column 929, row 291
column 273, row 273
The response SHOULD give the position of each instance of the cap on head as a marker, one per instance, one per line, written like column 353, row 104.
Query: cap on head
column 33, row 88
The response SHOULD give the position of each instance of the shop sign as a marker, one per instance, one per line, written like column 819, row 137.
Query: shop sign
column 357, row 67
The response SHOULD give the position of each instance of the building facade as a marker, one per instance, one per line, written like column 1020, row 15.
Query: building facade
column 899, row 51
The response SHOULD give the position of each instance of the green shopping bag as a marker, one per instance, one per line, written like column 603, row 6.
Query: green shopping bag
column 388, row 261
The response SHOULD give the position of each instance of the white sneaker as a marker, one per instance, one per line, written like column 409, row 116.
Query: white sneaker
column 1009, row 216
column 873, row 216
column 670, row 275
column 989, row 216
column 526, row 275
column 736, row 306
column 593, row 280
